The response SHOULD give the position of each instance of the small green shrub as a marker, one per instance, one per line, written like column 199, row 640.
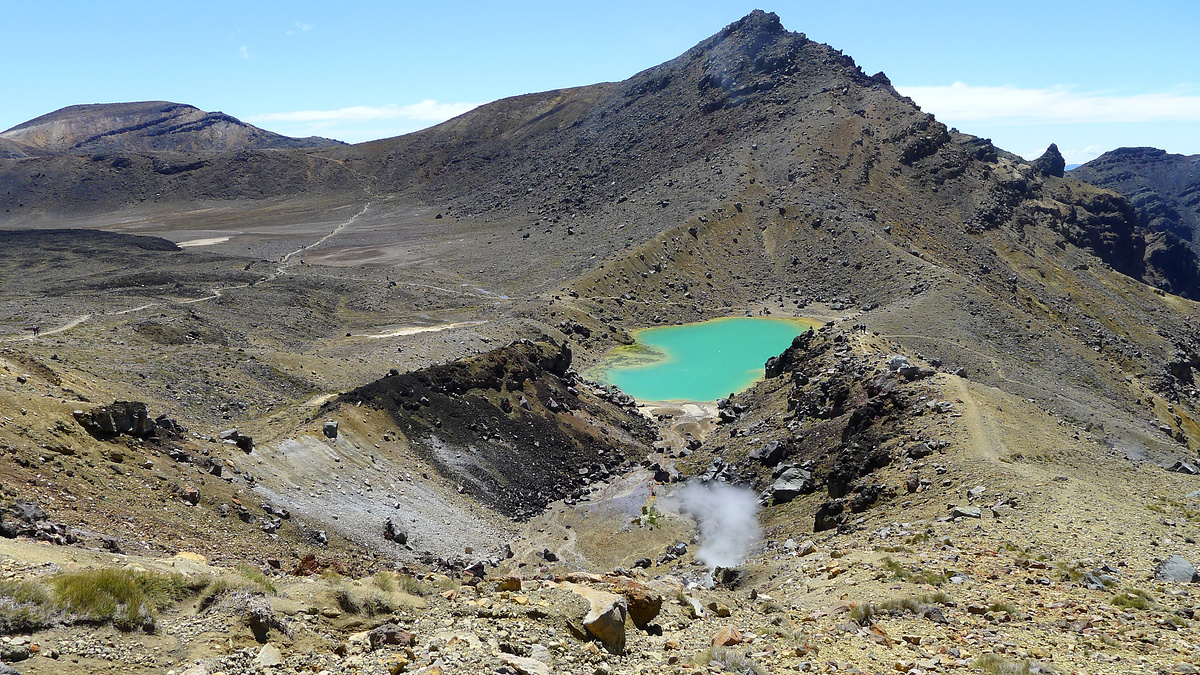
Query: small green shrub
column 1070, row 571
column 863, row 614
column 413, row 586
column 384, row 580
column 256, row 577
column 371, row 600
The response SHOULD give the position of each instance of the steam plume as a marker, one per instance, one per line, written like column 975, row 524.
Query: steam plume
column 728, row 521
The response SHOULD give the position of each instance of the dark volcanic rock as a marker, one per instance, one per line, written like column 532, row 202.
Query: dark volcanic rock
column 516, row 457
column 121, row 417
column 1051, row 163
column 1164, row 188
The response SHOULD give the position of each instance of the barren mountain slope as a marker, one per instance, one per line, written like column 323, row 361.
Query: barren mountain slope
column 145, row 127
column 371, row 358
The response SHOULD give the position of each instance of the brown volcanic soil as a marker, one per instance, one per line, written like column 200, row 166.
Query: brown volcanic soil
column 759, row 172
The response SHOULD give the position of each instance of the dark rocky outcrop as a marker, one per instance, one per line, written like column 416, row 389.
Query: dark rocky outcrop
column 1164, row 188
column 121, row 417
column 515, row 426
column 1051, row 163
column 26, row 519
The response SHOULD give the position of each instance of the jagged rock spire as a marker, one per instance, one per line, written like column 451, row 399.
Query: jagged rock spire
column 1051, row 163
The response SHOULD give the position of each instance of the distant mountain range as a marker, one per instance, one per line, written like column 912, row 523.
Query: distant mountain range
column 148, row 126
column 794, row 113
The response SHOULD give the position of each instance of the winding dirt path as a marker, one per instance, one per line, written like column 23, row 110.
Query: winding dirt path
column 984, row 440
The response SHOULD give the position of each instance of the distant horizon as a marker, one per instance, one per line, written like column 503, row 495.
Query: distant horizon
column 1069, row 166
column 371, row 70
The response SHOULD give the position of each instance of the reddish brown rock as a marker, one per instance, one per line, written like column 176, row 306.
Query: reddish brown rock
column 727, row 637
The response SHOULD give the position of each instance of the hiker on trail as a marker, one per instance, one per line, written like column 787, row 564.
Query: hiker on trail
column 35, row 330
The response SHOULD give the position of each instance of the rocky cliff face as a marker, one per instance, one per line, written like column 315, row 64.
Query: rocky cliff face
column 1164, row 188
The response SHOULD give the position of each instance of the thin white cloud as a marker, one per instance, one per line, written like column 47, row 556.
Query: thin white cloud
column 244, row 53
column 298, row 28
column 1076, row 156
column 428, row 110
column 964, row 102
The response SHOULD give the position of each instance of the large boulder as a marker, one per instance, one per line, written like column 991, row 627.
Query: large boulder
column 791, row 484
column 770, row 453
column 390, row 635
column 121, row 417
column 604, row 619
column 395, row 531
column 1176, row 569
column 644, row 602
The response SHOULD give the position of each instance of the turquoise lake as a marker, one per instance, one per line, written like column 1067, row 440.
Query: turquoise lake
column 700, row 361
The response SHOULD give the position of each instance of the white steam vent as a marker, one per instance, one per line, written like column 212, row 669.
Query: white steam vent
column 728, row 520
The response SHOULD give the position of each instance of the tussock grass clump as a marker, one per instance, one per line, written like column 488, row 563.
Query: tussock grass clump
column 902, row 573
column 998, row 665
column 256, row 577
column 864, row 614
column 1070, row 571
column 729, row 660
column 1133, row 597
column 127, row 598
column 372, row 600
column 25, row 606
column 393, row 582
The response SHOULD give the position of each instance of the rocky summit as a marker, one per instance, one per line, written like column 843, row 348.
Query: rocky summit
column 274, row 405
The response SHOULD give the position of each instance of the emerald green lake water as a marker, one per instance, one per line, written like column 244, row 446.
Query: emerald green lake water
column 699, row 361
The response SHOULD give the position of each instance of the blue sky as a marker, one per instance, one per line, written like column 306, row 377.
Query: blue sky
column 1089, row 76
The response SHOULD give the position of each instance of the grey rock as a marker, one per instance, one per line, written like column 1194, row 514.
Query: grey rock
column 966, row 512
column 1051, row 163
column 770, row 453
column 1176, row 569
column 791, row 484
column 330, row 429
column 391, row 634
column 1183, row 467
column 395, row 532
column 541, row 653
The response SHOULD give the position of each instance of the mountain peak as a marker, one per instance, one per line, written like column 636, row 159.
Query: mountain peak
column 756, row 21
column 144, row 126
